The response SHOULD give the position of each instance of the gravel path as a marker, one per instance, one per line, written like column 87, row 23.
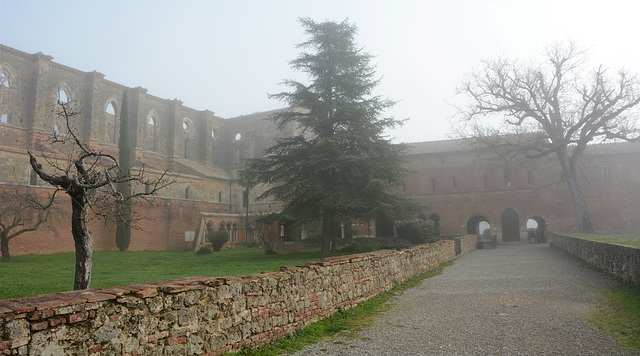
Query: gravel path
column 517, row 299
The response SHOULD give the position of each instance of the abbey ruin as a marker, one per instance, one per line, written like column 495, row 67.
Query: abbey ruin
column 461, row 189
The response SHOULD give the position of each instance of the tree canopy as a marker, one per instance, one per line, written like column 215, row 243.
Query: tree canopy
column 557, row 107
column 339, row 165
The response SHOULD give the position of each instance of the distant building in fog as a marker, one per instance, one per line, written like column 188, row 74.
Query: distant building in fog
column 459, row 187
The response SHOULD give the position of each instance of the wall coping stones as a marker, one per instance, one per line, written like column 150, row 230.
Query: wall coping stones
column 233, row 311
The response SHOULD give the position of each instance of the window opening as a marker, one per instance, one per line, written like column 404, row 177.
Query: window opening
column 606, row 174
column 62, row 96
column 4, row 98
column 187, row 145
column 152, row 125
column 507, row 177
column 111, row 124
column 238, row 136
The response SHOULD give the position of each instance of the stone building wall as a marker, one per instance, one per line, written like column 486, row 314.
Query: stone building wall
column 457, row 185
column 462, row 186
column 207, row 315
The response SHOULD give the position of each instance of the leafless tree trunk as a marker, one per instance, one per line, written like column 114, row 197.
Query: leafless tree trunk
column 82, row 173
column 557, row 107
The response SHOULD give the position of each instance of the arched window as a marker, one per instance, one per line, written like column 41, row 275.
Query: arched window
column 187, row 148
column 234, row 233
column 63, row 97
column 507, row 177
column 4, row 97
column 151, row 134
column 111, row 124
column 187, row 193
column 220, row 196
column 60, row 124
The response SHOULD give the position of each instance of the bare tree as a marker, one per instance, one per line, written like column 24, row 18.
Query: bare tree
column 557, row 107
column 89, row 178
column 19, row 213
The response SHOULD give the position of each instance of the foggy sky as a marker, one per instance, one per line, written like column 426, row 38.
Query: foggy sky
column 226, row 56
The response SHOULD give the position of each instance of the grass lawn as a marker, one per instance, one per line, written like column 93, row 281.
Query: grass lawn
column 40, row 274
column 618, row 313
column 628, row 238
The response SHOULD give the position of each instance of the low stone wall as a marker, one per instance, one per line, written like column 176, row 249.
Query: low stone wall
column 207, row 315
column 618, row 260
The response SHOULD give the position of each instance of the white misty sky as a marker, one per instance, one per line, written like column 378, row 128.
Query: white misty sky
column 226, row 56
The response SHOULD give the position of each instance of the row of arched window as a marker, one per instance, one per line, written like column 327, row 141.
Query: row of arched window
column 229, row 227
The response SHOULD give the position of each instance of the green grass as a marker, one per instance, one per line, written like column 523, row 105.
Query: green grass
column 28, row 275
column 628, row 238
column 347, row 322
column 618, row 313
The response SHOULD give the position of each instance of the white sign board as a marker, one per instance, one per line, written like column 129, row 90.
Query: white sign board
column 189, row 236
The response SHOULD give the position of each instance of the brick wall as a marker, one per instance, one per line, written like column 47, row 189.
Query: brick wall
column 618, row 260
column 207, row 315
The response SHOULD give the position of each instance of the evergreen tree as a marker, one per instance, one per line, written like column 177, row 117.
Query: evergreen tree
column 339, row 166
column 123, row 207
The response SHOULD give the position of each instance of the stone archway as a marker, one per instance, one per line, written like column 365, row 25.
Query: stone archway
column 510, row 226
column 474, row 222
column 540, row 226
column 436, row 223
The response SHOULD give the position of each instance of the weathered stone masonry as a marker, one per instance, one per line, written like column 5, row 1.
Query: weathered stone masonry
column 618, row 260
column 207, row 315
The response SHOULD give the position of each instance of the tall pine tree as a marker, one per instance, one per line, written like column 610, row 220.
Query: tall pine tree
column 123, row 207
column 340, row 166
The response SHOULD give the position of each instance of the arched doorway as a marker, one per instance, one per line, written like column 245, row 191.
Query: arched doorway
column 436, row 224
column 473, row 224
column 539, row 228
column 510, row 226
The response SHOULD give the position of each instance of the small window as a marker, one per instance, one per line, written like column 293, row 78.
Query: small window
column 433, row 184
column 220, row 196
column 187, row 193
column 213, row 134
column 507, row 177
column 606, row 174
column 529, row 178
column 486, row 181
column 453, row 183
column 238, row 136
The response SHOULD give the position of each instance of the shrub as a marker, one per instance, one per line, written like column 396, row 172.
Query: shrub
column 416, row 231
column 218, row 239
column 204, row 251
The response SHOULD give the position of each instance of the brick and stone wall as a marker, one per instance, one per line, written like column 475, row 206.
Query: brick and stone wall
column 618, row 260
column 207, row 315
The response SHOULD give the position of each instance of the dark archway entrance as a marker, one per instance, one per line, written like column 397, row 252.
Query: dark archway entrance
column 473, row 222
column 538, row 225
column 510, row 226
column 436, row 223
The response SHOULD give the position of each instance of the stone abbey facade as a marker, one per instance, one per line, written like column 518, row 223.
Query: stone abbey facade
column 462, row 190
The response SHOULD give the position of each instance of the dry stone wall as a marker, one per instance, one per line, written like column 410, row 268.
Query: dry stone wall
column 618, row 260
column 207, row 315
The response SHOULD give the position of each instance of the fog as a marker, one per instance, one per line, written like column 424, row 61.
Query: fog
column 225, row 56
